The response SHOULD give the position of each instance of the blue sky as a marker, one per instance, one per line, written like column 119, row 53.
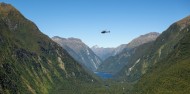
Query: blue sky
column 85, row 19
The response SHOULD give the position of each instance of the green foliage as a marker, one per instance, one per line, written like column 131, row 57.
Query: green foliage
column 30, row 61
column 107, row 87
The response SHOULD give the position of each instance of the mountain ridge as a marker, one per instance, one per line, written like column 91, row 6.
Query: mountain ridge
column 79, row 51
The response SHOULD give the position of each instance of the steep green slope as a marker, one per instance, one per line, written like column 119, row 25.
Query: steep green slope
column 172, row 74
column 128, row 73
column 161, row 67
column 30, row 62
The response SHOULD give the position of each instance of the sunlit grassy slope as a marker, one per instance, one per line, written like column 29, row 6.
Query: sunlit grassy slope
column 172, row 74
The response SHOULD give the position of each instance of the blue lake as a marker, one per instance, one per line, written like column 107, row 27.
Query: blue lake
column 104, row 75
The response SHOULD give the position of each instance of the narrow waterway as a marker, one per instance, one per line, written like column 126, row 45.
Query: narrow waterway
column 104, row 75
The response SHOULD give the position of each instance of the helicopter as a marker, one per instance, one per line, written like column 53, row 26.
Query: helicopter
column 104, row 31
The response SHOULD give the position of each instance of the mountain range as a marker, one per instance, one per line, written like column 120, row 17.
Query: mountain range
column 104, row 53
column 116, row 62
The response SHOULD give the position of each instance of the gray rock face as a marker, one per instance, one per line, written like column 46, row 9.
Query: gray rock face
column 79, row 51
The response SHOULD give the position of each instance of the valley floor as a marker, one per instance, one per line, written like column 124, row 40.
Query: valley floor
column 106, row 87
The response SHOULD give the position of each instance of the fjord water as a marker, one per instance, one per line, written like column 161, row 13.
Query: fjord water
column 104, row 75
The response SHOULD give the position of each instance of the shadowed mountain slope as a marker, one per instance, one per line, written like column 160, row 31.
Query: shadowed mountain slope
column 30, row 61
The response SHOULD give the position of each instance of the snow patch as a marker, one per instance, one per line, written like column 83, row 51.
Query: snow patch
column 134, row 64
column 94, row 64
column 82, row 58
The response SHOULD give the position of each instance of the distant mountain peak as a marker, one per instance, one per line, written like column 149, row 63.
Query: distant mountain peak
column 184, row 22
column 6, row 9
column 13, row 18
column 143, row 39
column 56, row 37
column 74, row 39
column 2, row 4
column 153, row 33
column 69, row 39
column 95, row 46
column 149, row 34
column 79, row 51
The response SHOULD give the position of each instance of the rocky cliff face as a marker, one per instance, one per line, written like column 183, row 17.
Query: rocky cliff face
column 80, row 52
column 103, row 53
